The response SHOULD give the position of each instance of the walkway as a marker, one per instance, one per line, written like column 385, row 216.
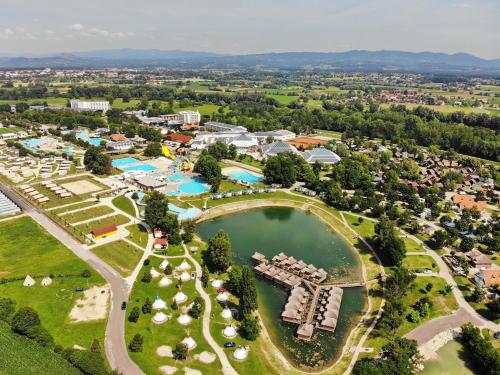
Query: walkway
column 227, row 368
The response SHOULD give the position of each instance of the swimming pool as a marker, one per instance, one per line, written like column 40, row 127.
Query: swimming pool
column 139, row 168
column 95, row 141
column 194, row 186
column 245, row 177
column 34, row 142
column 183, row 213
column 123, row 161
column 177, row 177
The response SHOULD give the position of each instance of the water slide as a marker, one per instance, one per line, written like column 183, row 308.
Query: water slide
column 166, row 152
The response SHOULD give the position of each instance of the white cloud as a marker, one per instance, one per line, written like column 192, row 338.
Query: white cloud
column 76, row 27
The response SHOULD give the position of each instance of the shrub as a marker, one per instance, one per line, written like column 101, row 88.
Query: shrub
column 7, row 309
column 147, row 307
column 197, row 308
column 136, row 343
column 146, row 277
column 86, row 361
column 86, row 274
column 134, row 315
column 24, row 319
column 250, row 328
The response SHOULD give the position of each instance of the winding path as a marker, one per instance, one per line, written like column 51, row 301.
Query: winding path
column 227, row 368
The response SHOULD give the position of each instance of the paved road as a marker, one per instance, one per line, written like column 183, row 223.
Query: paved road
column 227, row 368
column 116, row 349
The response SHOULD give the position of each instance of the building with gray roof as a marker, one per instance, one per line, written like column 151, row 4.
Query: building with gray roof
column 322, row 155
column 276, row 148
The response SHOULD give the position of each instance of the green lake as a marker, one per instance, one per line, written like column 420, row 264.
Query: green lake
column 281, row 229
column 451, row 360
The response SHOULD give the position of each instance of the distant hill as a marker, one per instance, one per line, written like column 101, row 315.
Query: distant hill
column 357, row 60
column 21, row 356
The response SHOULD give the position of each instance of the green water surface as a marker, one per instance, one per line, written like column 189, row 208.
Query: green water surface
column 451, row 360
column 281, row 229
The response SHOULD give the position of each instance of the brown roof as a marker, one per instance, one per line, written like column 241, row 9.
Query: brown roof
column 467, row 202
column 491, row 277
column 104, row 230
column 178, row 137
column 306, row 142
column 118, row 137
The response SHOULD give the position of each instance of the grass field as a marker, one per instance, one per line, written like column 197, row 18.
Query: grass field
column 22, row 356
column 283, row 99
column 423, row 262
column 169, row 333
column 366, row 228
column 9, row 130
column 90, row 213
column 26, row 248
column 76, row 206
column 412, row 246
column 90, row 226
column 138, row 234
column 120, row 255
column 125, row 204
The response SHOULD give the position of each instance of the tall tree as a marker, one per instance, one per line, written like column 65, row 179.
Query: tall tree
column 208, row 167
column 156, row 210
column 389, row 244
column 248, row 291
column 219, row 252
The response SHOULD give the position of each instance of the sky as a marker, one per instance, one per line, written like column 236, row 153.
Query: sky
column 250, row 26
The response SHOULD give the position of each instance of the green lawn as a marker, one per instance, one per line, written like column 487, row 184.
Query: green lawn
column 76, row 206
column 366, row 228
column 120, row 255
column 247, row 159
column 412, row 246
column 169, row 333
column 78, row 216
column 22, row 356
column 283, row 99
column 138, row 234
column 90, row 226
column 422, row 262
column 10, row 130
column 26, row 248
column 125, row 204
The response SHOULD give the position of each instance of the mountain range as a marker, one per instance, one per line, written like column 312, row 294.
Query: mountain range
column 356, row 60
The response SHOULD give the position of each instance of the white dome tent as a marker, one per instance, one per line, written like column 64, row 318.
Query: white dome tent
column 159, row 304
column 223, row 297
column 46, row 281
column 154, row 273
column 160, row 317
column 229, row 332
column 184, row 319
column 240, row 354
column 29, row 281
column 184, row 266
column 165, row 281
column 185, row 276
column 217, row 283
column 189, row 342
column 226, row 313
column 180, row 297
column 164, row 264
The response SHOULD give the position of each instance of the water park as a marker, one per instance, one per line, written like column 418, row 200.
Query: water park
column 242, row 176
column 183, row 214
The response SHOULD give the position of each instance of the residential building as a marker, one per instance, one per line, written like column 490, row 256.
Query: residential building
column 80, row 105
column 487, row 278
column 322, row 155
column 467, row 202
column 178, row 138
column 190, row 117
column 276, row 135
column 478, row 259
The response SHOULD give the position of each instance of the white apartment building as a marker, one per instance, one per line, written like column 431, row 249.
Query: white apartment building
column 80, row 105
column 189, row 117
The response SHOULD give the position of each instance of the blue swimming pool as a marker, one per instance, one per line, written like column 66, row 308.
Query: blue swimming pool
column 34, row 142
column 139, row 168
column 245, row 177
column 177, row 177
column 123, row 161
column 95, row 141
column 193, row 187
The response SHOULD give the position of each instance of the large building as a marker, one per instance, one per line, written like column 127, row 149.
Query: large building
column 190, row 117
column 7, row 207
column 80, row 105
column 322, row 155
column 213, row 126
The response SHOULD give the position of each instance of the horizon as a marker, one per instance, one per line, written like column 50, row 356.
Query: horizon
column 228, row 27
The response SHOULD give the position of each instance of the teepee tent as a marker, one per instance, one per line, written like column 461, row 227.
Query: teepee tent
column 46, row 281
column 29, row 281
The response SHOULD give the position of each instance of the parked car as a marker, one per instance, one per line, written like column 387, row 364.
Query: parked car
column 79, row 289
column 124, row 305
column 230, row 344
column 497, row 335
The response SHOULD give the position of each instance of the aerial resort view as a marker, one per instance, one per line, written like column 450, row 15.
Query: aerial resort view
column 181, row 194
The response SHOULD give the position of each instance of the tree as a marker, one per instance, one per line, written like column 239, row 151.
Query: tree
column 181, row 351
column 483, row 354
column 204, row 276
column 218, row 150
column 197, row 308
column 175, row 306
column 156, row 210
column 147, row 307
column 136, row 343
column 250, row 327
column 7, row 309
column 280, row 169
column 95, row 347
column 477, row 294
column 168, row 270
column 134, row 315
column 171, row 224
column 248, row 291
column 96, row 161
column 86, row 361
column 388, row 242
column 153, row 150
column 208, row 167
column 439, row 239
column 24, row 319
column 429, row 286
column 146, row 277
column 219, row 252
column 189, row 228
column 232, row 152
column 467, row 244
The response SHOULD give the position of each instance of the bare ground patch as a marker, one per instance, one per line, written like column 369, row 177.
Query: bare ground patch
column 92, row 306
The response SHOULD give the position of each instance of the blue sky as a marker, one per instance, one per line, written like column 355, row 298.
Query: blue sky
column 235, row 26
